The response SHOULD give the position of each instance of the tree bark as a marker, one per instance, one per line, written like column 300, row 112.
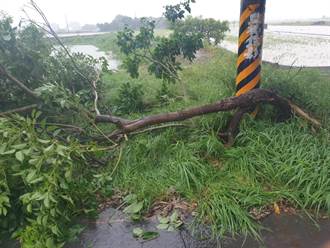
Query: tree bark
column 245, row 101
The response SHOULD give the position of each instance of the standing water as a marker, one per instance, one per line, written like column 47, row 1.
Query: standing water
column 96, row 53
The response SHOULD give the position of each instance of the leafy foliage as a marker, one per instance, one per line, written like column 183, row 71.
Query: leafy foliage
column 120, row 22
column 213, row 31
column 170, row 223
column 161, row 54
column 27, row 55
column 23, row 52
column 139, row 233
column 130, row 98
column 177, row 12
column 44, row 183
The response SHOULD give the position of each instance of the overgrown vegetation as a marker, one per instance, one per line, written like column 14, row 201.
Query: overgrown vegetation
column 50, row 174
column 44, row 182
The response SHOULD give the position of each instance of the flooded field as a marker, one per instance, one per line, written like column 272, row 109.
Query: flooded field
column 96, row 53
column 291, row 45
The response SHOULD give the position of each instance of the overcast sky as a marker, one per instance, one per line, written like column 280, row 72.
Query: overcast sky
column 94, row 11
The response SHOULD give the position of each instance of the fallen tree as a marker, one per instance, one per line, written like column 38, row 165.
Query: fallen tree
column 241, row 104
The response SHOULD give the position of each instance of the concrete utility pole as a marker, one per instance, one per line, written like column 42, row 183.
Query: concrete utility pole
column 251, row 30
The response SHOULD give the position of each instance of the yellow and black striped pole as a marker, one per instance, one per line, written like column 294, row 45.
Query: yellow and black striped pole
column 251, row 30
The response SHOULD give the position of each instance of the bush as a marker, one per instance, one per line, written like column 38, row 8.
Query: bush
column 130, row 98
column 44, row 183
column 32, row 59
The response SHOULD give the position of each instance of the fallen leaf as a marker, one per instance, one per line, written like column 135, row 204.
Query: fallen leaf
column 277, row 209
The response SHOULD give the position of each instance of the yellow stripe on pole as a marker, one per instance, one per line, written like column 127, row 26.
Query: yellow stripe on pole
column 247, row 71
column 247, row 12
column 243, row 37
column 249, row 86
column 241, row 57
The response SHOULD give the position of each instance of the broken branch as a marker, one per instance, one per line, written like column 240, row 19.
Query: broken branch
column 244, row 101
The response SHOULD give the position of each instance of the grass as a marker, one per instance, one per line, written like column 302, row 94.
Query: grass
column 270, row 162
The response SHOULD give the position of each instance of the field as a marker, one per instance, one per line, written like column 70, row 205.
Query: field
column 287, row 164
column 291, row 45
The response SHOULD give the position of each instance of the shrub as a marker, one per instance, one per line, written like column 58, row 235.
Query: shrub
column 44, row 183
column 130, row 98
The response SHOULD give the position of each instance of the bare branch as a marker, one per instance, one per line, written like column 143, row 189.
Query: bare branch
column 56, row 37
column 24, row 109
column 301, row 113
column 21, row 85
column 96, row 96
column 64, row 126
column 244, row 101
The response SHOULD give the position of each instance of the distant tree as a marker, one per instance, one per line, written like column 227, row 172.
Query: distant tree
column 121, row 21
column 213, row 31
column 159, row 53
column 89, row 28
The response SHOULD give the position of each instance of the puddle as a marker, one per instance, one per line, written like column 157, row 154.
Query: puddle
column 112, row 230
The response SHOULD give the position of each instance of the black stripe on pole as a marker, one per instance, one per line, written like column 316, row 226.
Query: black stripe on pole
column 250, row 45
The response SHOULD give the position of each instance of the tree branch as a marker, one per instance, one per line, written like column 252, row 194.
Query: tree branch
column 21, row 85
column 57, row 38
column 19, row 110
column 244, row 101
column 228, row 137
column 96, row 96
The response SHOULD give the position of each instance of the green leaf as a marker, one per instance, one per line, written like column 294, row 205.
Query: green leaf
column 136, row 217
column 19, row 146
column 43, row 141
column 47, row 202
column 171, row 229
column 30, row 176
column 163, row 226
column 49, row 148
column 163, row 220
column 130, row 198
column 174, row 216
column 150, row 235
column 50, row 243
column 67, row 198
column 29, row 208
column 138, row 232
column 178, row 224
column 19, row 156
column 134, row 208
column 8, row 152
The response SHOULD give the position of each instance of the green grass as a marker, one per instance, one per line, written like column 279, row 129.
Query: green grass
column 270, row 161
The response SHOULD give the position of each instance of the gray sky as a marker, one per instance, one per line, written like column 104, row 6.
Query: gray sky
column 94, row 11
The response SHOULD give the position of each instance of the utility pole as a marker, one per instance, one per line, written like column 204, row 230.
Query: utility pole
column 251, row 31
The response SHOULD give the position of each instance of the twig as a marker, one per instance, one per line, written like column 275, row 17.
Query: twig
column 19, row 110
column 57, row 38
column 96, row 96
column 118, row 161
column 158, row 128
column 66, row 126
column 21, row 85
column 301, row 113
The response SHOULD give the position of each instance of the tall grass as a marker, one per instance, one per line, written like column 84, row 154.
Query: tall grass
column 269, row 162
